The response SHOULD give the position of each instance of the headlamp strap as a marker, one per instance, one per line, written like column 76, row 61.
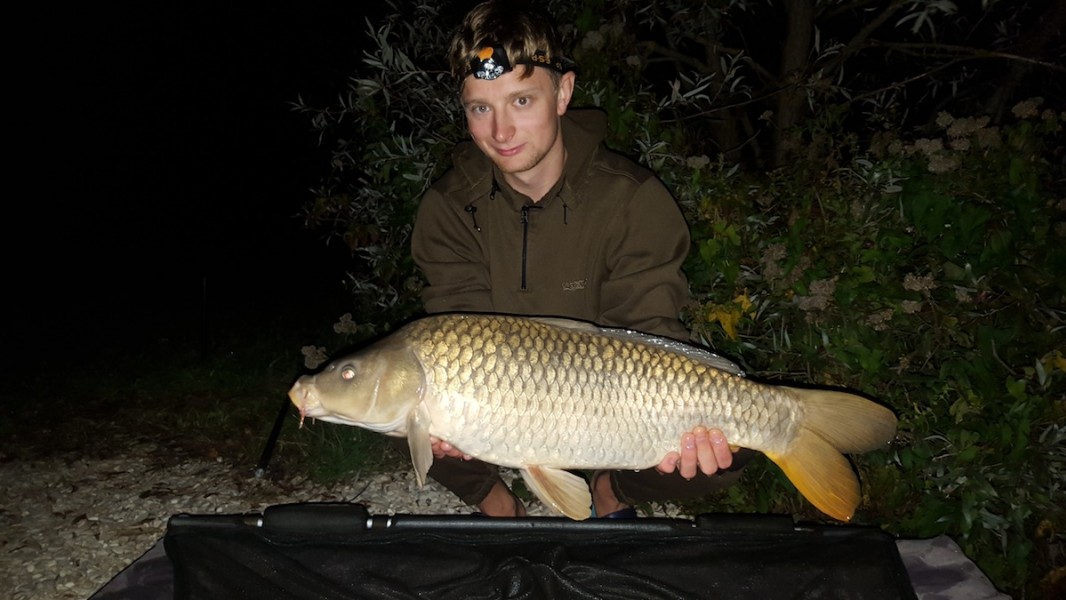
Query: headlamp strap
column 491, row 62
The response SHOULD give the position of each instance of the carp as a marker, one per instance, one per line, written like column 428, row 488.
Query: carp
column 546, row 395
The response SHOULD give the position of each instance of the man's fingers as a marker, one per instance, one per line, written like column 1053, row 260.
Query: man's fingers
column 723, row 455
column 689, row 457
column 669, row 463
column 706, row 451
column 442, row 449
column 702, row 450
column 434, row 445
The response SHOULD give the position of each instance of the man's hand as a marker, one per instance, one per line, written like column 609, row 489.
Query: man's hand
column 442, row 449
column 700, row 448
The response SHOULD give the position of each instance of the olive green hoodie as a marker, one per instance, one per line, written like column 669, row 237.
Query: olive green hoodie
column 604, row 245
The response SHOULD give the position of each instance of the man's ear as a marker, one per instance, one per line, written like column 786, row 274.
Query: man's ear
column 564, row 92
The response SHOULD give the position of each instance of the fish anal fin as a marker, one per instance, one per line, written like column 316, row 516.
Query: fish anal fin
column 561, row 490
column 418, row 440
column 821, row 473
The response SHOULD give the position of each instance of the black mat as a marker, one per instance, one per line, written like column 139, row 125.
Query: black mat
column 340, row 551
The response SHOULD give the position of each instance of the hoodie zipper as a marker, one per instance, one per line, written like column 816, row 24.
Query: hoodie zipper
column 525, row 239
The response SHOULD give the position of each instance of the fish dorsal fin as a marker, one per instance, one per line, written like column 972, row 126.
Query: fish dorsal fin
column 418, row 422
column 560, row 490
column 564, row 323
column 693, row 352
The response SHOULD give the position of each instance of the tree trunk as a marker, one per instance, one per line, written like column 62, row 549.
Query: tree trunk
column 795, row 58
column 1032, row 44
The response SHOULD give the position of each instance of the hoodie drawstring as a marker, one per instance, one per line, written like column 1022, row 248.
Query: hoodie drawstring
column 470, row 208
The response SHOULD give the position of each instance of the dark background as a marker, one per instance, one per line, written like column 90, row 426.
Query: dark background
column 162, row 171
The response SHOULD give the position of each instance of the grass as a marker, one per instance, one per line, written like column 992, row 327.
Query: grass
column 214, row 395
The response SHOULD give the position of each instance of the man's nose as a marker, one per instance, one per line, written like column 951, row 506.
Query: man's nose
column 502, row 127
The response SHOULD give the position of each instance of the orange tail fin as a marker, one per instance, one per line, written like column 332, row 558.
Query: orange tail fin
column 834, row 423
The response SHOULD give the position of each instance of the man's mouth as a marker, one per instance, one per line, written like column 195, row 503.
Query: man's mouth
column 508, row 152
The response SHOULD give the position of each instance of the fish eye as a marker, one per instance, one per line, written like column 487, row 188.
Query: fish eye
column 348, row 373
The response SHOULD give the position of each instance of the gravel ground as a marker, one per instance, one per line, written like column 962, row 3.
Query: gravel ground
column 70, row 523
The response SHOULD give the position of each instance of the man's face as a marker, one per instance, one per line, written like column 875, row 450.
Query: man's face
column 515, row 121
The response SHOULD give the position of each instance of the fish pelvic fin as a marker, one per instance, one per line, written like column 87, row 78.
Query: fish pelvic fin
column 418, row 441
column 834, row 423
column 561, row 490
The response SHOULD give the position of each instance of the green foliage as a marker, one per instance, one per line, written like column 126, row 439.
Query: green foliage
column 391, row 135
column 927, row 274
column 331, row 453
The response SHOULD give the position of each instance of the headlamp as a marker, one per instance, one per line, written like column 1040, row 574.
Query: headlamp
column 491, row 62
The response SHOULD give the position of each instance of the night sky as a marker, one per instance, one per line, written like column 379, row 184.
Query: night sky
column 162, row 170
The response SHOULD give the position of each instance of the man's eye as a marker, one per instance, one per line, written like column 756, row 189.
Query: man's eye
column 479, row 109
column 523, row 101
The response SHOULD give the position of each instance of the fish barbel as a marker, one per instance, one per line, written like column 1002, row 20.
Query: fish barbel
column 547, row 395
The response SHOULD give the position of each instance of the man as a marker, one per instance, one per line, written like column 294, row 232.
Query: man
column 538, row 217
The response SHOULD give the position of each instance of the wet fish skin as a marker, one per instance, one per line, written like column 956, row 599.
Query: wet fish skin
column 547, row 395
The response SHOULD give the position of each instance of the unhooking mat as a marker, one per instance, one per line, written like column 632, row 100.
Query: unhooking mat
column 327, row 551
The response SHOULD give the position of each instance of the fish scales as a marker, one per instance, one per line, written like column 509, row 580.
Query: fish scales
column 549, row 395
column 637, row 398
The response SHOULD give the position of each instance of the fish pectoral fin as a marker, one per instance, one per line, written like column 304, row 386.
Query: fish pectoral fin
column 821, row 473
column 418, row 441
column 561, row 490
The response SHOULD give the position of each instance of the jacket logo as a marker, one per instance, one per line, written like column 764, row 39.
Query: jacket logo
column 573, row 286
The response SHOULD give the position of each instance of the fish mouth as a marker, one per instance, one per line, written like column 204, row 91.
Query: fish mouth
column 302, row 395
column 305, row 396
